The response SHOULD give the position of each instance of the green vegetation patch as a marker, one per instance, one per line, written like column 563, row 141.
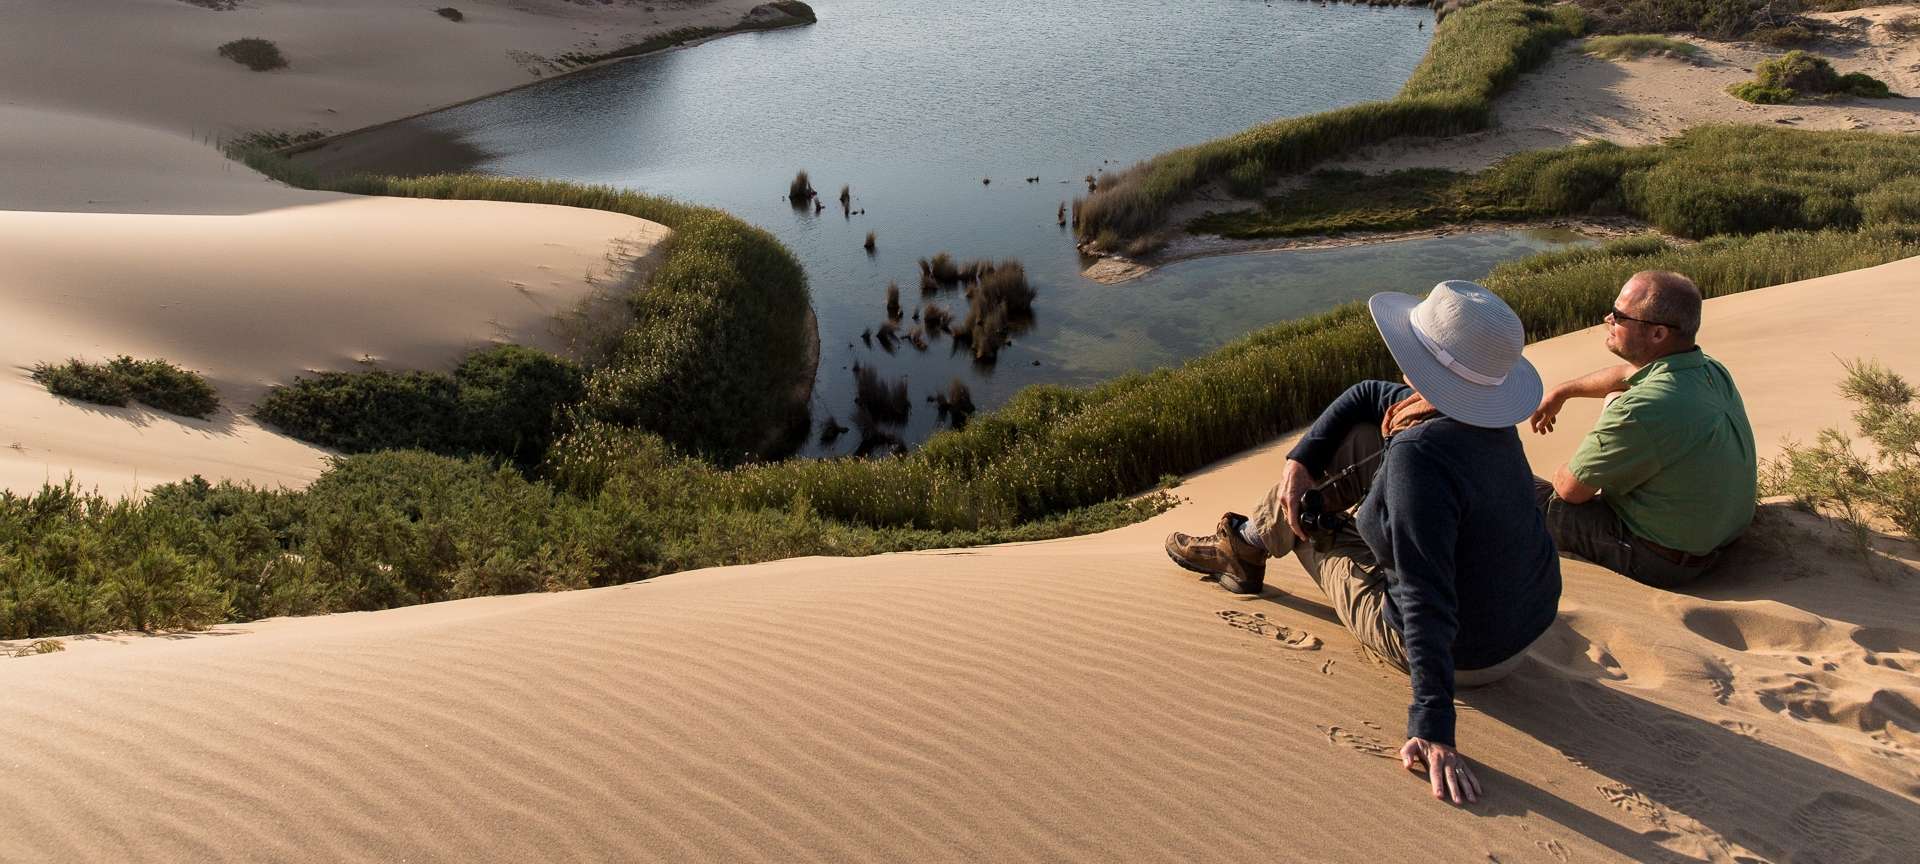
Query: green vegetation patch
column 719, row 337
column 257, row 54
column 1476, row 52
column 1798, row 73
column 450, row 13
column 155, row 383
column 1709, row 180
column 1627, row 45
column 504, row 401
column 1830, row 476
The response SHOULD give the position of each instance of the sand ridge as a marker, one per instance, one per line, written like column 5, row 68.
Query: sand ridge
column 1080, row 699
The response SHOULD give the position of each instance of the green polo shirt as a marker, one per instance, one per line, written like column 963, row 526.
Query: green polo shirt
column 1673, row 455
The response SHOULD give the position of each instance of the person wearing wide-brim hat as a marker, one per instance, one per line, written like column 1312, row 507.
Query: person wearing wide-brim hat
column 1445, row 570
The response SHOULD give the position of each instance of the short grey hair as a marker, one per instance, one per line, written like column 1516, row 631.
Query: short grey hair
column 1673, row 300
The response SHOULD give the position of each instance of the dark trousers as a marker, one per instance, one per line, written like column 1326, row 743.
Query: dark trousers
column 1593, row 532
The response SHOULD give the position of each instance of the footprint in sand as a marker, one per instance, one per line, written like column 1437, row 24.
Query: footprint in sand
column 1359, row 742
column 1672, row 738
column 1552, row 847
column 1258, row 624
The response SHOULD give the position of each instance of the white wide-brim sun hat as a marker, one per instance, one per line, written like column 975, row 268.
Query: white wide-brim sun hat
column 1460, row 346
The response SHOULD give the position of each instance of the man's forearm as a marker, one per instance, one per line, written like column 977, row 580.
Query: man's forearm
column 1598, row 383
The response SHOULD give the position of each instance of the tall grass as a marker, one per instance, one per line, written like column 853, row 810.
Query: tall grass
column 1476, row 52
column 1625, row 45
column 718, row 340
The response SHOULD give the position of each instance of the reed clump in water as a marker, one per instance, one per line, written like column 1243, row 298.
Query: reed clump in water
column 869, row 245
column 879, row 402
column 935, row 317
column 955, row 405
column 801, row 189
column 999, row 303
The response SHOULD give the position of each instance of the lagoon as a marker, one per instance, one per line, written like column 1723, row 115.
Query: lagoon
column 936, row 115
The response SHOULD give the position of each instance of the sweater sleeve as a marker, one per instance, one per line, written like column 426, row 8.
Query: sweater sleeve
column 1424, row 504
column 1365, row 402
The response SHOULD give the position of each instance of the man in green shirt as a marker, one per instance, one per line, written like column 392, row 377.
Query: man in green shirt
column 1666, row 478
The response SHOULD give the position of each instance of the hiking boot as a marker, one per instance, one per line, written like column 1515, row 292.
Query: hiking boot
column 1241, row 566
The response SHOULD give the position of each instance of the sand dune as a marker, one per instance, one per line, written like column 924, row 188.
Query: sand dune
column 154, row 245
column 1079, row 699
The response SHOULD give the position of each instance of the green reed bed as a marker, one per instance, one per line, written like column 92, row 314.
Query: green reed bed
column 1476, row 52
column 1707, row 181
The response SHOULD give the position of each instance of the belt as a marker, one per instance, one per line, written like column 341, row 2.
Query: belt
column 1684, row 559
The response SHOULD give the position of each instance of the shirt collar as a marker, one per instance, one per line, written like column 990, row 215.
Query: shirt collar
column 1675, row 362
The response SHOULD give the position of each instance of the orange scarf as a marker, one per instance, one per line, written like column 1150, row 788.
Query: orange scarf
column 1405, row 414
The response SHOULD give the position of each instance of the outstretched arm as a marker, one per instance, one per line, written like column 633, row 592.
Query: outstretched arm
column 1593, row 385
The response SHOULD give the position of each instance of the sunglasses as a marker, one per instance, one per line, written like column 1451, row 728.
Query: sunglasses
column 1616, row 315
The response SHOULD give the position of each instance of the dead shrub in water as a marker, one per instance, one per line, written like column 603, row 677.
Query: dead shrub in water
column 935, row 317
column 879, row 402
column 893, row 302
column 889, row 337
column 955, row 405
column 801, row 189
column 1000, row 304
column 941, row 269
column 869, row 243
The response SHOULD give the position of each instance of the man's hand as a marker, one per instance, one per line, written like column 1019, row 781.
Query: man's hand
column 1444, row 766
column 1295, row 481
column 1548, row 411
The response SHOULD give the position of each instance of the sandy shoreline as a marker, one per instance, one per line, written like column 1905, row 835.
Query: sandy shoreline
column 1071, row 700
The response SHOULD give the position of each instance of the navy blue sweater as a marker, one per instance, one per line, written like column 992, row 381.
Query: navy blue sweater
column 1471, row 571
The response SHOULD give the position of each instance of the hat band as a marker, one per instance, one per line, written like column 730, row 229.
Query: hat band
column 1447, row 359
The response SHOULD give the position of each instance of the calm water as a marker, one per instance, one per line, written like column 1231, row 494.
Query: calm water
column 915, row 104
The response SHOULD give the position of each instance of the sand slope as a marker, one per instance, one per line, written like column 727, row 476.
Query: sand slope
column 351, row 63
column 1080, row 699
column 153, row 245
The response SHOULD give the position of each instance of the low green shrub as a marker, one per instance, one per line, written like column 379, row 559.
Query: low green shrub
column 1626, row 45
column 450, row 13
column 166, row 387
column 257, row 54
column 1864, row 85
column 503, row 401
column 155, row 383
column 1761, row 94
column 1799, row 73
column 86, row 382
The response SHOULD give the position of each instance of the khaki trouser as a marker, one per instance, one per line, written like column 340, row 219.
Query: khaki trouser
column 1348, row 574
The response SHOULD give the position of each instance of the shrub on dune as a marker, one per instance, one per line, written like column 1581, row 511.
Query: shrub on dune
column 257, row 54
column 155, row 383
column 450, row 13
